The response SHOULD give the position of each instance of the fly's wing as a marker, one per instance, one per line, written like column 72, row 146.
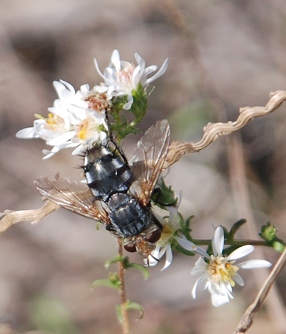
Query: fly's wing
column 72, row 196
column 148, row 158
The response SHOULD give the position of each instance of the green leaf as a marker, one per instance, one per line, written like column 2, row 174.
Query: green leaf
column 127, row 264
column 119, row 313
column 141, row 268
column 185, row 226
column 112, row 282
column 116, row 259
column 235, row 228
column 164, row 195
column 135, row 306
column 129, row 306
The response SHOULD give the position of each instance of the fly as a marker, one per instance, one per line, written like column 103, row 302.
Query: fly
column 118, row 192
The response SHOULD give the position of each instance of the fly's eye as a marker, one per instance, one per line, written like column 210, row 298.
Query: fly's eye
column 154, row 236
column 87, row 167
column 130, row 247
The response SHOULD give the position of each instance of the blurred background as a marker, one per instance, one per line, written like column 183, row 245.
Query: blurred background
column 223, row 55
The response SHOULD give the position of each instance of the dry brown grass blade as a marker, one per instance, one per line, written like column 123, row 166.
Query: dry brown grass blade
column 247, row 319
column 214, row 130
column 9, row 218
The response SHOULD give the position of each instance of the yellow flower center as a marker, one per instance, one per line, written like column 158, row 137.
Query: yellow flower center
column 53, row 122
column 167, row 233
column 222, row 270
column 83, row 129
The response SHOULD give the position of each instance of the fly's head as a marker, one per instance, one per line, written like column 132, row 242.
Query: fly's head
column 143, row 243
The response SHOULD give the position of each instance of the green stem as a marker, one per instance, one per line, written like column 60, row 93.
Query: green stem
column 202, row 242
column 125, row 320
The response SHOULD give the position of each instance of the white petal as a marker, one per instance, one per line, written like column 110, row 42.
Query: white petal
column 199, row 268
column 190, row 246
column 68, row 86
column 27, row 133
column 48, row 154
column 136, row 76
column 100, row 89
column 251, row 264
column 156, row 251
column 221, row 293
column 140, row 61
column 150, row 261
column 128, row 105
column 197, row 283
column 58, row 87
column 52, row 152
column 169, row 257
column 160, row 72
column 218, row 299
column 84, row 89
column 78, row 150
column 218, row 241
column 115, row 60
column 240, row 252
column 97, row 68
column 56, row 149
column 150, row 69
column 238, row 279
column 61, row 139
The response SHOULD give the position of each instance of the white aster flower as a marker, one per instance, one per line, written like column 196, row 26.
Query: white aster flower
column 122, row 77
column 168, row 236
column 218, row 273
column 73, row 120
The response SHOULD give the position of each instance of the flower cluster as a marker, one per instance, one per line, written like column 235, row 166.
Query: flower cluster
column 217, row 273
column 78, row 119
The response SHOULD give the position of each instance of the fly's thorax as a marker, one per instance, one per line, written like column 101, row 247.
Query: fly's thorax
column 106, row 172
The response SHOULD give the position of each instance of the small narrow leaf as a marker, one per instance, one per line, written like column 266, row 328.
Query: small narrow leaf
column 116, row 259
column 135, row 306
column 129, row 307
column 235, row 228
column 113, row 281
column 119, row 313
column 143, row 269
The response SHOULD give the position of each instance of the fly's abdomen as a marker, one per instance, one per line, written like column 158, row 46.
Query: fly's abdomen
column 106, row 173
column 127, row 216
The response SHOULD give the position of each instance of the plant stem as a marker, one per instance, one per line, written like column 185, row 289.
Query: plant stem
column 125, row 320
column 208, row 242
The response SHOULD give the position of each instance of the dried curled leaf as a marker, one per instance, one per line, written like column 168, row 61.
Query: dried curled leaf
column 214, row 130
column 9, row 218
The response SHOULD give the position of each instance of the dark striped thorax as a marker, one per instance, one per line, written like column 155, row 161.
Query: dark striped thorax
column 106, row 172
